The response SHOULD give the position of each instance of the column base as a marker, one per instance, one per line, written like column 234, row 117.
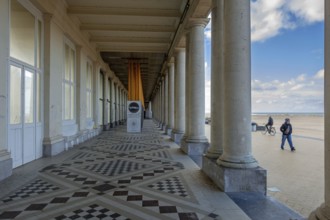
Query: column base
column 168, row 131
column 6, row 166
column 236, row 180
column 53, row 146
column 213, row 155
column 112, row 125
column 106, row 127
column 177, row 136
column 321, row 213
column 194, row 148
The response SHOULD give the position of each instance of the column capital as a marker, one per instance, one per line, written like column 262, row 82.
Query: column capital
column 170, row 60
column 170, row 64
column 47, row 17
column 179, row 49
column 78, row 48
column 198, row 22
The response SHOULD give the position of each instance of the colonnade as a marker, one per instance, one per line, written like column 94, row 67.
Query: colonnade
column 228, row 160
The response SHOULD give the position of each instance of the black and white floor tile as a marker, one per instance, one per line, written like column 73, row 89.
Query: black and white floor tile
column 116, row 175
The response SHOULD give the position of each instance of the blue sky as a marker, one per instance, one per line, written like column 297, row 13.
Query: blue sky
column 286, row 54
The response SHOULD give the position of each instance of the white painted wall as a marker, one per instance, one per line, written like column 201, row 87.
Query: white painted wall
column 4, row 53
column 56, row 71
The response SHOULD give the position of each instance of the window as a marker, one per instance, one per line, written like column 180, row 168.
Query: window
column 25, row 64
column 22, row 34
column 38, row 99
column 28, row 97
column 15, row 95
column 101, row 98
column 69, row 84
column 89, row 89
column 109, row 101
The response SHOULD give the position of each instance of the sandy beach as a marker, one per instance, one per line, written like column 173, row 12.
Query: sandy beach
column 294, row 178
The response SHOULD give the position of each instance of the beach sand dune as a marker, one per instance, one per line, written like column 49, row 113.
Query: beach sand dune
column 294, row 178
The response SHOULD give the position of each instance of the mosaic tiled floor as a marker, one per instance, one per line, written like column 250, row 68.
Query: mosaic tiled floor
column 117, row 175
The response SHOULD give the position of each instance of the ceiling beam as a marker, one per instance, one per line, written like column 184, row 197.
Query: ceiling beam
column 101, row 39
column 128, row 28
column 146, row 12
column 127, row 48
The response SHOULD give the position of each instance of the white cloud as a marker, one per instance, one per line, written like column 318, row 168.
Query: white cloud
column 319, row 74
column 207, row 31
column 301, row 77
column 308, row 10
column 301, row 94
column 270, row 17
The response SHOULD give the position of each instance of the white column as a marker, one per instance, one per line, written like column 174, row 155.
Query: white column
column 179, row 98
column 187, row 84
column 160, row 97
column 166, row 100
column 112, row 100
column 157, row 105
column 121, row 105
column 196, row 142
column 237, row 152
column 117, row 103
column 217, row 82
column 78, row 87
column 125, row 106
column 163, row 103
column 323, row 212
column 106, row 103
column 104, row 106
column 96, row 98
column 170, row 98
column 81, row 93
column 5, row 160
column 159, row 94
column 53, row 142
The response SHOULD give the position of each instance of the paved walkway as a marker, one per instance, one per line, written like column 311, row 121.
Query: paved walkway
column 116, row 176
column 296, row 179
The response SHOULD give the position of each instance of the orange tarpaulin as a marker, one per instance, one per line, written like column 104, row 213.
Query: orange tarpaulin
column 135, row 91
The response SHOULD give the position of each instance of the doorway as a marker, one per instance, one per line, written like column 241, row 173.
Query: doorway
column 25, row 127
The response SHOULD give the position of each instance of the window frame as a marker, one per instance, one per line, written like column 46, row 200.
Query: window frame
column 71, row 82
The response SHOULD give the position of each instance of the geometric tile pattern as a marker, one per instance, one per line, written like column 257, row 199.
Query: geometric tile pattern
column 91, row 212
column 161, row 207
column 145, row 175
column 35, row 188
column 172, row 185
column 116, row 167
column 74, row 177
column 162, row 154
column 113, row 176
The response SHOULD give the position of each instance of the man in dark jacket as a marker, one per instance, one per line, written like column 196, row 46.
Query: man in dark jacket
column 286, row 129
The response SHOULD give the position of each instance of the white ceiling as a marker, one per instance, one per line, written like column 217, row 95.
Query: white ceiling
column 147, row 30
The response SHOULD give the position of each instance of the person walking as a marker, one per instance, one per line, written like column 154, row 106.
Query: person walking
column 286, row 130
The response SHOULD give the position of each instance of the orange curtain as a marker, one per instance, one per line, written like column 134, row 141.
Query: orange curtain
column 135, row 91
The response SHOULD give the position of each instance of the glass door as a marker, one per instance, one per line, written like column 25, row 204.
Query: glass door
column 24, row 113
column 15, row 133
